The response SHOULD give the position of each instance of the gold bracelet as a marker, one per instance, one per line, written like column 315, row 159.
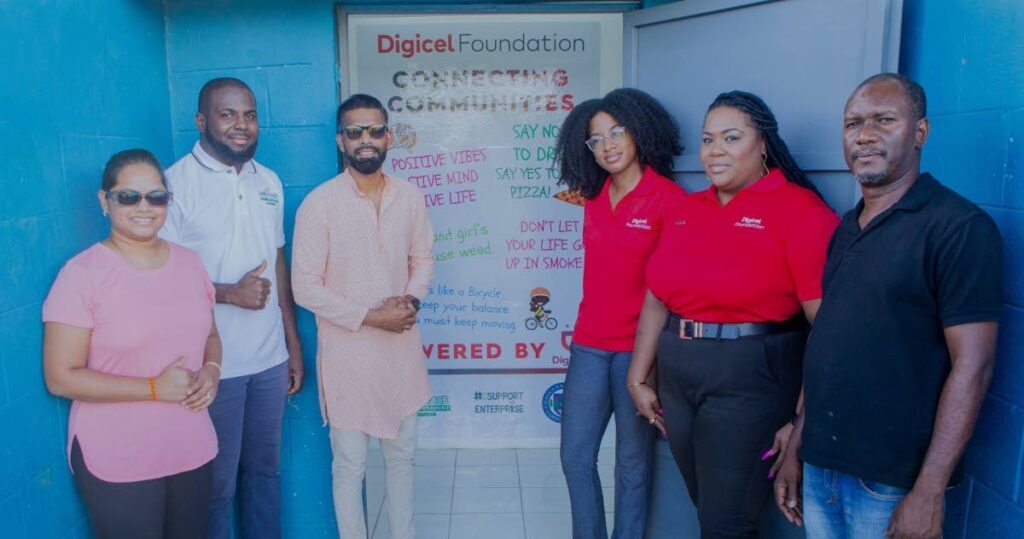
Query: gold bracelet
column 219, row 371
column 638, row 384
column 152, row 388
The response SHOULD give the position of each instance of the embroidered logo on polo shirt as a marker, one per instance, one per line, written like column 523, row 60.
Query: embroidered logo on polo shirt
column 749, row 222
column 639, row 223
column 679, row 222
column 269, row 198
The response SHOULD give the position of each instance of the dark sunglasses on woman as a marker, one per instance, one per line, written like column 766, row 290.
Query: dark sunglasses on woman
column 131, row 197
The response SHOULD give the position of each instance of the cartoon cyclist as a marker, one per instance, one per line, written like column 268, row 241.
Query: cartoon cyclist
column 539, row 297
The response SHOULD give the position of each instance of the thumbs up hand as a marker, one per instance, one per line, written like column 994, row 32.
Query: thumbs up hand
column 252, row 290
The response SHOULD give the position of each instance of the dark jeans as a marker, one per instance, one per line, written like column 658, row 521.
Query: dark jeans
column 595, row 388
column 171, row 507
column 724, row 400
column 248, row 414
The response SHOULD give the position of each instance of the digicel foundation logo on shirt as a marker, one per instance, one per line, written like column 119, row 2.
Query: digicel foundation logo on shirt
column 640, row 223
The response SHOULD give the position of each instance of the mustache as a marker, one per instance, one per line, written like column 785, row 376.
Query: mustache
column 868, row 151
column 375, row 150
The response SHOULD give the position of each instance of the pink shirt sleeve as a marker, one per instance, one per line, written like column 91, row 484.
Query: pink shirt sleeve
column 421, row 257
column 204, row 276
column 71, row 298
column 310, row 248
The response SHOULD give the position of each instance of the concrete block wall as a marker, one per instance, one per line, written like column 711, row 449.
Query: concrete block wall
column 287, row 55
column 80, row 81
column 969, row 56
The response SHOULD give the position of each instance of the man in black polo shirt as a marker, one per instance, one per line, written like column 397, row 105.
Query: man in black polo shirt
column 901, row 352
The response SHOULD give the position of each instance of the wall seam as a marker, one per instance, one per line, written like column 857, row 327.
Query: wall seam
column 167, row 70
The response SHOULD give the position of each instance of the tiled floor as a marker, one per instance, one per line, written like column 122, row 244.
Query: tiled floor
column 493, row 493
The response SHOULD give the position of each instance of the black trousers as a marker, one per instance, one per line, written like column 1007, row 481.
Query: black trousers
column 723, row 402
column 172, row 507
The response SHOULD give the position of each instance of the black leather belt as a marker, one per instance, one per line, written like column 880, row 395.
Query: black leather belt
column 692, row 329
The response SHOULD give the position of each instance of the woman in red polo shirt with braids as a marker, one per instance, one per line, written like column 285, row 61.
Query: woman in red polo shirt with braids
column 617, row 152
column 737, row 275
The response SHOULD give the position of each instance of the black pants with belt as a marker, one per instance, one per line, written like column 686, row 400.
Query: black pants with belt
column 723, row 402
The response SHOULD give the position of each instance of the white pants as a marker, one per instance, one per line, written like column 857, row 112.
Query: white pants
column 349, row 469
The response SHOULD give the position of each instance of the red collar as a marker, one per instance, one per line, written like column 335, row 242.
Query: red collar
column 645, row 187
column 767, row 183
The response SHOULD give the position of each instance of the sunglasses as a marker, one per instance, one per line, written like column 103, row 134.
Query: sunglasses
column 616, row 133
column 355, row 132
column 130, row 197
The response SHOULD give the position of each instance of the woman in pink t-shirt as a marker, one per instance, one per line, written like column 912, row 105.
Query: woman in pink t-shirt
column 130, row 339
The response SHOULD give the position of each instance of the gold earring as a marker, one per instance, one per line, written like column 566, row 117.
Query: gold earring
column 764, row 165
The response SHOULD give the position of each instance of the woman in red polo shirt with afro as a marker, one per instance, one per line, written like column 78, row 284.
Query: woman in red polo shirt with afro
column 737, row 275
column 617, row 152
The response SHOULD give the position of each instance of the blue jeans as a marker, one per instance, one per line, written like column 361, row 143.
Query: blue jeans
column 841, row 506
column 247, row 414
column 595, row 387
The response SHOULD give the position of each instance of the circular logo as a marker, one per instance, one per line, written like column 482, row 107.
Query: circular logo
column 404, row 135
column 552, row 404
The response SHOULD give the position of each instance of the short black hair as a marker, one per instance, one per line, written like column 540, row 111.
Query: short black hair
column 360, row 101
column 135, row 156
column 913, row 90
column 213, row 85
column 654, row 131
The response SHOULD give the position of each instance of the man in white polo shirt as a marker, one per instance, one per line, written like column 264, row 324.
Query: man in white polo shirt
column 230, row 210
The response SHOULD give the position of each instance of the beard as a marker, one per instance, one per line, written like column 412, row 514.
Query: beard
column 235, row 157
column 366, row 165
column 872, row 180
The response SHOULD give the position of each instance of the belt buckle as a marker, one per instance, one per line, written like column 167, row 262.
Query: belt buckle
column 696, row 329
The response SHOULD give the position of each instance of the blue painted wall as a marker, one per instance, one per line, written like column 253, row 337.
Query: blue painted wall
column 80, row 80
column 286, row 54
column 970, row 58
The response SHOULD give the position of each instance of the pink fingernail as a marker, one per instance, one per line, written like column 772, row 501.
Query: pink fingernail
column 767, row 454
column 771, row 475
column 661, row 411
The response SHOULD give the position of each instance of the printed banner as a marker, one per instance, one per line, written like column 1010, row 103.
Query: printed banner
column 475, row 104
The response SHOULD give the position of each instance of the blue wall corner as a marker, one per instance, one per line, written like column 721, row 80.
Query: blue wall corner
column 970, row 59
column 87, row 79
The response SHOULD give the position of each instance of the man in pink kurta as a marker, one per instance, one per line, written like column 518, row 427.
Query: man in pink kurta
column 361, row 262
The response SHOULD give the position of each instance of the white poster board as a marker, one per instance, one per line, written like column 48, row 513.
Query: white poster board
column 475, row 103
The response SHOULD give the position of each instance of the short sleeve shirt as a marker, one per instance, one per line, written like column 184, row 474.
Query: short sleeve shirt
column 877, row 359
column 140, row 321
column 233, row 221
column 617, row 243
column 753, row 260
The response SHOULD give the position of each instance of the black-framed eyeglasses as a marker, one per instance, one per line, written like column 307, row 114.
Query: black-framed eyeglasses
column 616, row 133
column 129, row 197
column 355, row 132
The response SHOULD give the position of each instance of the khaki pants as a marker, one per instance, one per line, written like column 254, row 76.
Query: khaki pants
column 349, row 469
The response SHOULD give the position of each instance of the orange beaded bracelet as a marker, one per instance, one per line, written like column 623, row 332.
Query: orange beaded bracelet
column 152, row 389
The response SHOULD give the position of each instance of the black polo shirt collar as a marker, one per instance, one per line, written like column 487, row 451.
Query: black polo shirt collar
column 914, row 199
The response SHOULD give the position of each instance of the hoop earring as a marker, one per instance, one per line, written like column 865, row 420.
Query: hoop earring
column 764, row 165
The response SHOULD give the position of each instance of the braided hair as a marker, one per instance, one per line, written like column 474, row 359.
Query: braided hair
column 763, row 119
column 652, row 128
